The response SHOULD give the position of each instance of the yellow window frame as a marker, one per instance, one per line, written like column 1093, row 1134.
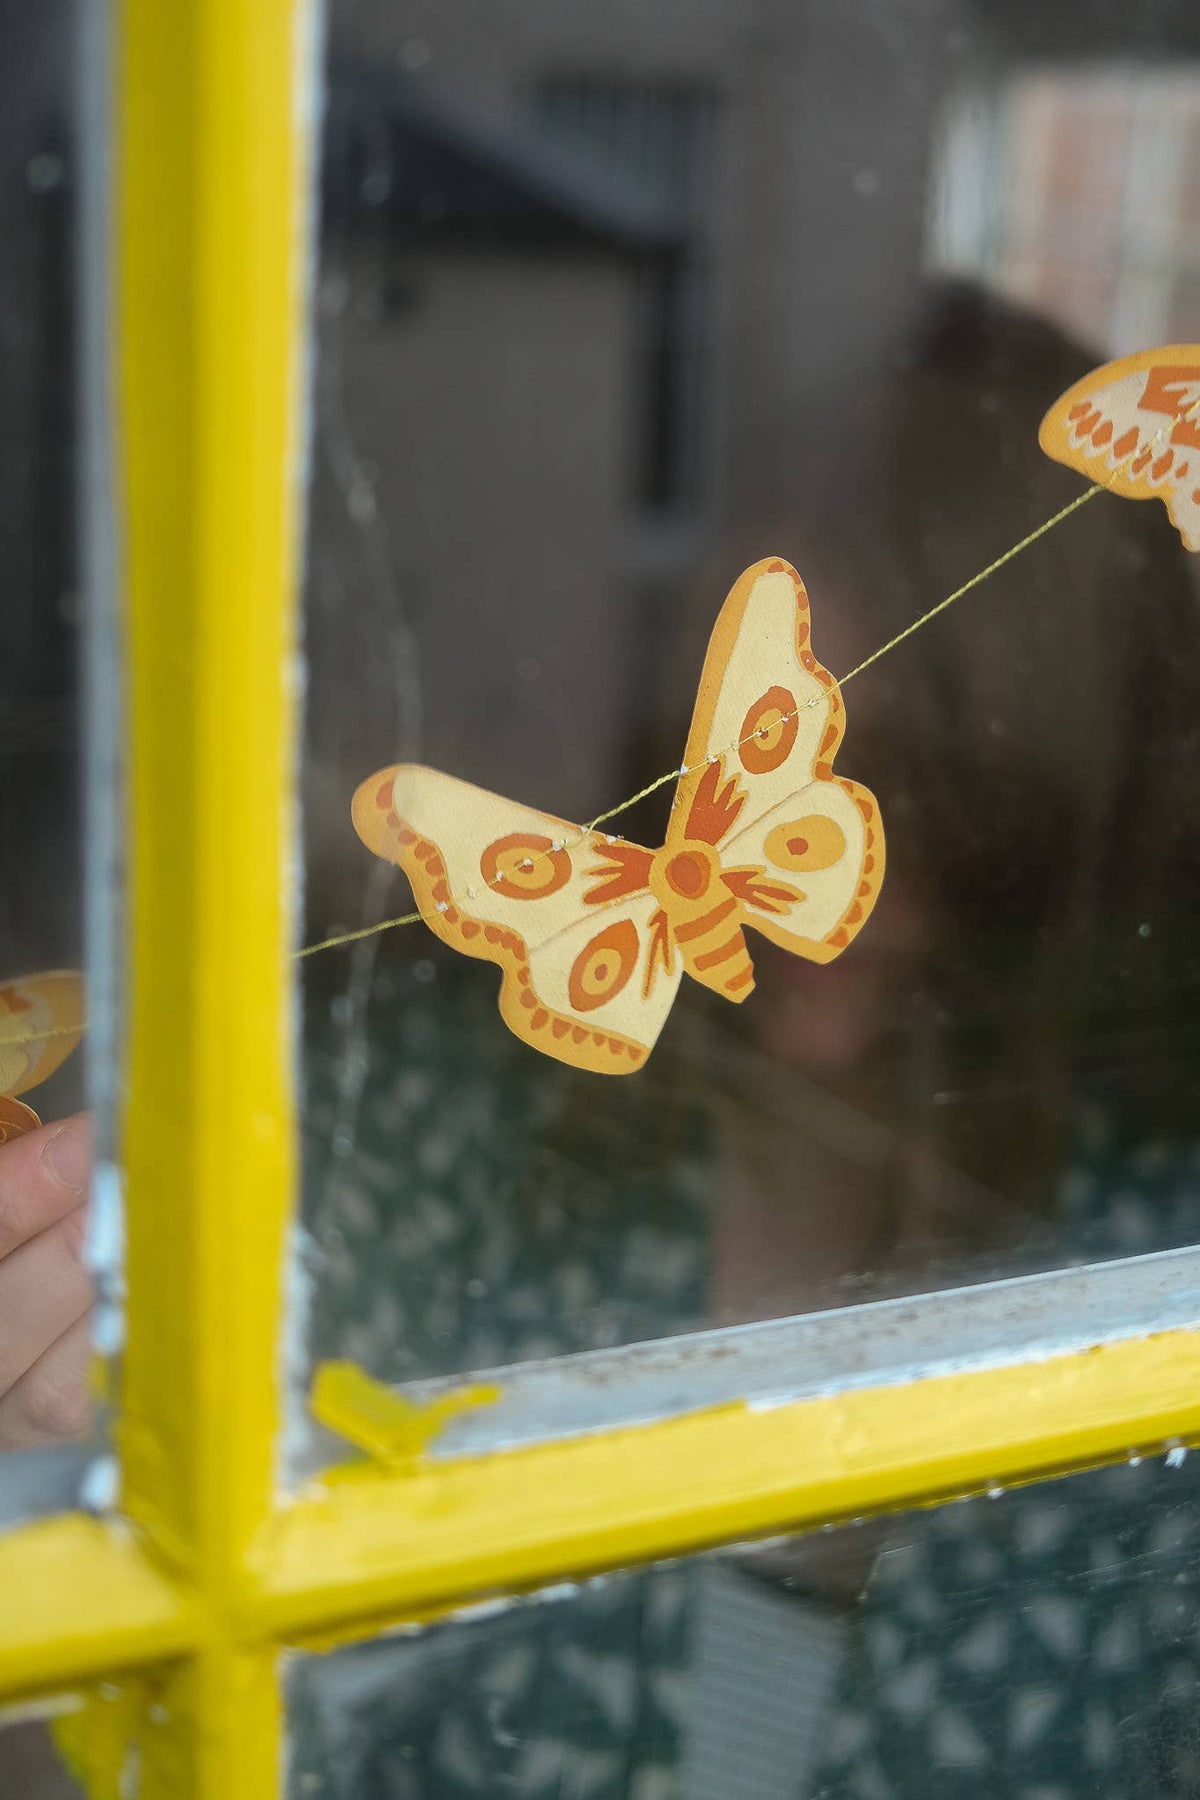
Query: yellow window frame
column 188, row 1595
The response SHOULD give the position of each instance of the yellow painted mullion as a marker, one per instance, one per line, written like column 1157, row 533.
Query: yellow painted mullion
column 214, row 1728
column 210, row 258
column 210, row 267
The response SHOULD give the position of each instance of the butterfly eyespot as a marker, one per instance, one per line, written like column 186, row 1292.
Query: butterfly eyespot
column 523, row 866
column 768, row 731
column 604, row 966
column 688, row 874
column 814, row 842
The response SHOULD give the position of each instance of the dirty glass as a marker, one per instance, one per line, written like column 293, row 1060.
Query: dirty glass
column 47, row 1428
column 1044, row 1642
column 611, row 302
column 30, row 1764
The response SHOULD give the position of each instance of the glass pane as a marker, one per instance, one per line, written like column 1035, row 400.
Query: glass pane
column 612, row 302
column 47, row 1428
column 30, row 1765
column 1040, row 1643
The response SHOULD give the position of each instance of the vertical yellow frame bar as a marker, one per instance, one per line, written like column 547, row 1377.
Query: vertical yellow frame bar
column 210, row 219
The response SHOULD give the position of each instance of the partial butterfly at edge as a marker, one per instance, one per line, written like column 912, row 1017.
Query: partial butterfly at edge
column 41, row 1022
column 1134, row 427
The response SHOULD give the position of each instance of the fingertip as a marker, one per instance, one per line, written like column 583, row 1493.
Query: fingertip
column 67, row 1154
column 44, row 1175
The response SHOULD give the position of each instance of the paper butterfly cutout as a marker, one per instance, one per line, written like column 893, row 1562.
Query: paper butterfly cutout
column 30, row 1009
column 1134, row 426
column 594, row 933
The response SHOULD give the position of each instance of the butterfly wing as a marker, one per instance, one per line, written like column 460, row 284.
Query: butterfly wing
column 1134, row 426
column 41, row 1022
column 15, row 1119
column 587, row 975
column 802, row 849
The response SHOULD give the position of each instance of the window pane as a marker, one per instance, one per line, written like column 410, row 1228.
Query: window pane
column 610, row 304
column 48, row 1432
column 30, row 1765
column 1042, row 1642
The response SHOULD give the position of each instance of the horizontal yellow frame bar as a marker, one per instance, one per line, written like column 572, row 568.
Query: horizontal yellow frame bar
column 365, row 1547
column 78, row 1599
column 367, row 1544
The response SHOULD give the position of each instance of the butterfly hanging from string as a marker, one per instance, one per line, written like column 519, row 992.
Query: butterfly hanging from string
column 593, row 933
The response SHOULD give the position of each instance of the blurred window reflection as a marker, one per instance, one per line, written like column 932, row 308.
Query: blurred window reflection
column 1040, row 1645
column 613, row 303
column 655, row 136
column 1077, row 192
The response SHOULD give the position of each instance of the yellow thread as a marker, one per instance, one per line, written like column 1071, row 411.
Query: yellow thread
column 652, row 787
column 350, row 937
column 1080, row 500
column 41, row 1037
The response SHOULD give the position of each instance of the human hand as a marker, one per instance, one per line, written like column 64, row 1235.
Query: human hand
column 45, row 1291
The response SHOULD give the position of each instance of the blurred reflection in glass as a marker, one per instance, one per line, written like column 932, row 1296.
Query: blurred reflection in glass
column 45, row 1293
column 608, row 311
column 1038, row 1643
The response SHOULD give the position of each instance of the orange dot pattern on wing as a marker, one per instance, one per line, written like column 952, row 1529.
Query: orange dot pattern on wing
column 814, row 842
column 854, row 913
column 768, row 732
column 523, row 866
column 604, row 966
column 422, row 861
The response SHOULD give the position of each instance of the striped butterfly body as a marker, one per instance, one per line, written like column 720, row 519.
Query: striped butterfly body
column 593, row 933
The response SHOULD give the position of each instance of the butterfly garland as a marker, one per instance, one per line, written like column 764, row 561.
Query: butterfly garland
column 41, row 1022
column 594, row 933
column 1134, row 427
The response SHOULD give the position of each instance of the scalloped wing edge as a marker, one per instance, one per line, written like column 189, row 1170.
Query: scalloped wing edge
column 721, row 645
column 554, row 1033
column 860, row 908
column 1057, row 430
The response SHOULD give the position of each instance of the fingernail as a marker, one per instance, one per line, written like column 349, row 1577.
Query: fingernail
column 68, row 1156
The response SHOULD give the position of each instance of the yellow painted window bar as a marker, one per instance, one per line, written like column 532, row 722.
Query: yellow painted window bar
column 182, row 1602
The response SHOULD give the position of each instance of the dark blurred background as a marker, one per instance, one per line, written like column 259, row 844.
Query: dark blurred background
column 39, row 823
column 609, row 295
column 41, row 903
